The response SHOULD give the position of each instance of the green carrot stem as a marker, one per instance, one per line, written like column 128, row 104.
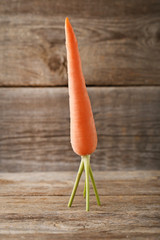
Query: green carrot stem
column 84, row 191
column 94, row 186
column 80, row 170
column 86, row 160
column 85, row 164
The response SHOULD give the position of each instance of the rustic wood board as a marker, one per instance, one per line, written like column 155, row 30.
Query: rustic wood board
column 34, row 129
column 109, row 183
column 118, row 42
column 39, row 210
column 85, row 9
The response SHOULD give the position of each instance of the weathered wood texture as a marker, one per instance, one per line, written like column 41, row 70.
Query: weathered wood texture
column 109, row 183
column 118, row 41
column 34, row 129
column 34, row 206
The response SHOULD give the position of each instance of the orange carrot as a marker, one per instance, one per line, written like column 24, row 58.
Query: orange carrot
column 82, row 126
column 83, row 131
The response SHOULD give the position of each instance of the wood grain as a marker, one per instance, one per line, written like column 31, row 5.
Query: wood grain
column 90, row 235
column 92, row 9
column 110, row 183
column 118, row 42
column 123, row 214
column 34, row 129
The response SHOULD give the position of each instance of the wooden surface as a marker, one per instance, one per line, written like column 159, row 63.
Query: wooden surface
column 34, row 206
column 118, row 41
column 34, row 129
column 119, row 47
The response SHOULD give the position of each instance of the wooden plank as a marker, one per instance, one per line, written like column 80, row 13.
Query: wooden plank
column 51, row 214
column 110, row 183
column 79, row 236
column 120, row 216
column 34, row 129
column 85, row 9
column 45, row 153
column 118, row 42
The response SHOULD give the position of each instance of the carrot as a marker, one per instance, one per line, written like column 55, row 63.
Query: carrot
column 82, row 125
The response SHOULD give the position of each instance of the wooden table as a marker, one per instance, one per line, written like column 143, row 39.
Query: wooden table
column 34, row 206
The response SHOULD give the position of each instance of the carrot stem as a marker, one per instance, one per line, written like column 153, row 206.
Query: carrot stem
column 84, row 165
column 84, row 191
column 81, row 168
column 94, row 186
column 86, row 160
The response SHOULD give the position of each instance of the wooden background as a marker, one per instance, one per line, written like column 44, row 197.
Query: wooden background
column 119, row 44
